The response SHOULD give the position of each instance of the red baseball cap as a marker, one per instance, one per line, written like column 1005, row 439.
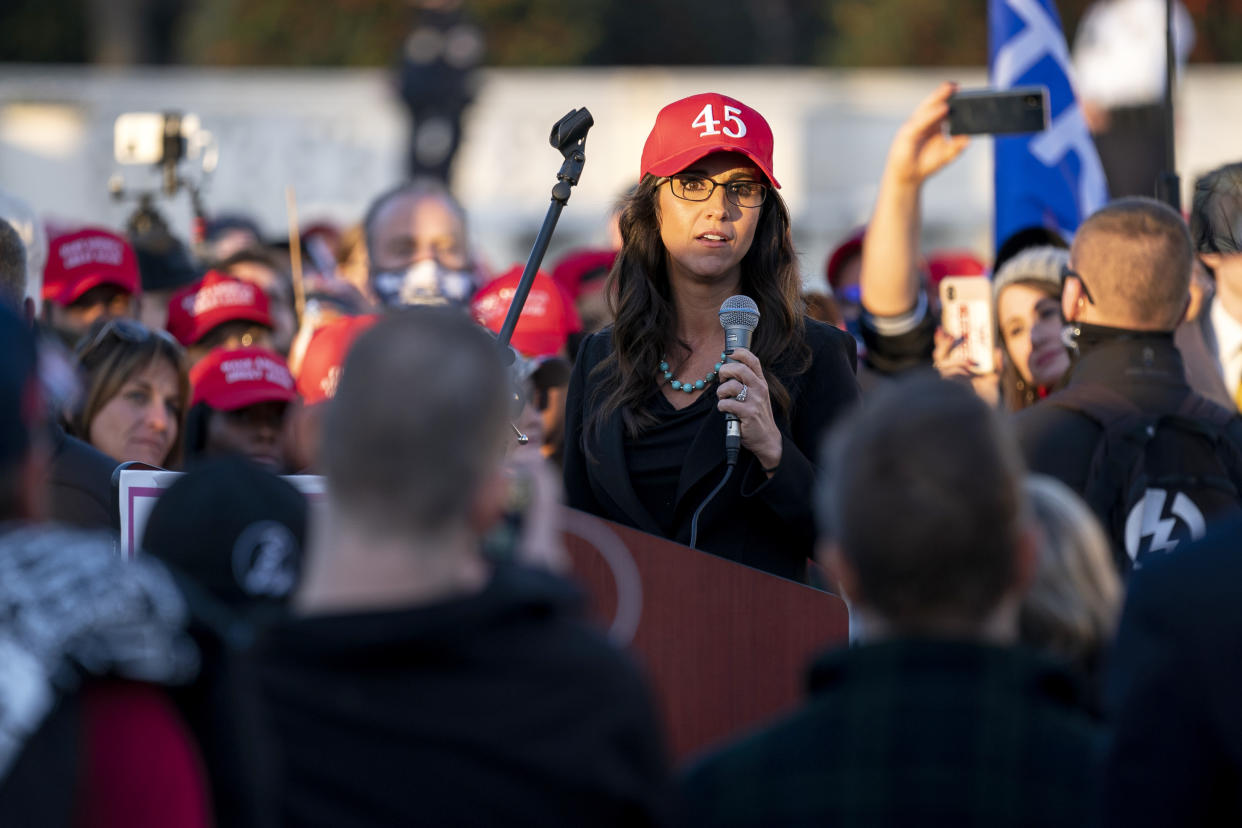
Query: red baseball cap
column 547, row 320
column 570, row 271
column 699, row 125
column 84, row 259
column 229, row 379
column 321, row 366
column 213, row 300
column 942, row 263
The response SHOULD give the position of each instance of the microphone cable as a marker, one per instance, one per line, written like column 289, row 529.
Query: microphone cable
column 694, row 521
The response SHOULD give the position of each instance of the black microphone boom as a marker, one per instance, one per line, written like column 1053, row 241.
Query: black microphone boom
column 739, row 316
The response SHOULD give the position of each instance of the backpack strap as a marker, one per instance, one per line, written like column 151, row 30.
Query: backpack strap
column 1117, row 465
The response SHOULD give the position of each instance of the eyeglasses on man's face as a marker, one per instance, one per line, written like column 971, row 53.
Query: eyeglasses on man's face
column 1068, row 273
column 741, row 192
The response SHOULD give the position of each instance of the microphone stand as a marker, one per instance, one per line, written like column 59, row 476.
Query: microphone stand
column 569, row 136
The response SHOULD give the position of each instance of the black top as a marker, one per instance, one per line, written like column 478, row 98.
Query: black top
column 914, row 732
column 656, row 457
column 762, row 522
column 80, row 483
column 499, row 708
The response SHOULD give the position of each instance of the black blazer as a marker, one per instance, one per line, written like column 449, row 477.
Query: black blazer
column 761, row 522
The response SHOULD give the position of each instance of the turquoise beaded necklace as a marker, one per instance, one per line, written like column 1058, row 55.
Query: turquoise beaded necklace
column 687, row 386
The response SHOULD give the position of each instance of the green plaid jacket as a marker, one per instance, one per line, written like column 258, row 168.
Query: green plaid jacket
column 913, row 733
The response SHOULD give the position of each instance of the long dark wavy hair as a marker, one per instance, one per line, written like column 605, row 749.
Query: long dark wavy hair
column 645, row 318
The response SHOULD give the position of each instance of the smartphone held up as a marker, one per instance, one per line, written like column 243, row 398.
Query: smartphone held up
column 1023, row 109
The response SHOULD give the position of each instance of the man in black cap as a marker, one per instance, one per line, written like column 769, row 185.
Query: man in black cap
column 421, row 683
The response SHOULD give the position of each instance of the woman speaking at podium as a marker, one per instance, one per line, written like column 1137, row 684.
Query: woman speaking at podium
column 645, row 414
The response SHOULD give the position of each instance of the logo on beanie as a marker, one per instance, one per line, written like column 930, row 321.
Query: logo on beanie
column 265, row 560
column 255, row 369
column 219, row 295
column 734, row 126
column 91, row 250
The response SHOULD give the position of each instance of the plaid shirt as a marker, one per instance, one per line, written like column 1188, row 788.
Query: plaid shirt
column 913, row 733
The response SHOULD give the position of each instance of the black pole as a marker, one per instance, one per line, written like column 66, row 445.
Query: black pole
column 568, row 136
column 1169, row 187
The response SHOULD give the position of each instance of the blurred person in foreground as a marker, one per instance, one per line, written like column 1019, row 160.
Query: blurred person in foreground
column 417, row 249
column 937, row 716
column 416, row 673
column 87, row 734
column 89, row 274
column 78, row 476
column 232, row 534
column 1072, row 607
column 136, row 391
column 240, row 403
column 1155, row 460
column 220, row 311
column 1172, row 685
column 645, row 414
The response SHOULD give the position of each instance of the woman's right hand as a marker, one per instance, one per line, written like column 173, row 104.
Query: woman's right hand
column 953, row 363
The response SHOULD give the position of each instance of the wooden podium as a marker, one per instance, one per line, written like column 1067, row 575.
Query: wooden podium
column 726, row 646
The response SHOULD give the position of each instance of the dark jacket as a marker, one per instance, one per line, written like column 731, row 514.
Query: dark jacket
column 1144, row 368
column 500, row 708
column 1172, row 689
column 764, row 523
column 918, row 733
column 81, row 484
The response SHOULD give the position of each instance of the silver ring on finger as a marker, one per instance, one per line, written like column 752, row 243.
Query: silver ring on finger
column 741, row 395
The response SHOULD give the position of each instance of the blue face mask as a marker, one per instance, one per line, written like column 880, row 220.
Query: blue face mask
column 426, row 282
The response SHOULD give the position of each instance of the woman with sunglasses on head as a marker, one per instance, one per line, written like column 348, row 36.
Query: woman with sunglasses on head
column 135, row 394
column 645, row 415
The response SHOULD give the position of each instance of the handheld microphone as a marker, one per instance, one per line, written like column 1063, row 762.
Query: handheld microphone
column 739, row 316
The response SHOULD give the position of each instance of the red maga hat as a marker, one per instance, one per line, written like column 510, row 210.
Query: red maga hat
column 214, row 300
column 547, row 320
column 85, row 259
column 229, row 379
column 699, row 125
column 325, row 355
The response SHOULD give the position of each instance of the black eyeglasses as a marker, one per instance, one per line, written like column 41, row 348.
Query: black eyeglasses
column 122, row 330
column 743, row 193
column 1067, row 273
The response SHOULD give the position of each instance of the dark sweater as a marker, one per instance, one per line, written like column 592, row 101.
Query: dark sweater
column 499, row 708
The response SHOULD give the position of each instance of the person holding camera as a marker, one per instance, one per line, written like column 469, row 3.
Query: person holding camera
column 644, row 415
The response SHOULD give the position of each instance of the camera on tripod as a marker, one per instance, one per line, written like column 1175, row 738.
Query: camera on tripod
column 163, row 140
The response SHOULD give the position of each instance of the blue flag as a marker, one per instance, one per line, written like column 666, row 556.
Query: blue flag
column 1052, row 178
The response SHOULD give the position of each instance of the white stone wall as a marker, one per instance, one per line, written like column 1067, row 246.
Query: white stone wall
column 338, row 137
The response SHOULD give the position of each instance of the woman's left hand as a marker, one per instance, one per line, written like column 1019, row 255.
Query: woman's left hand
column 760, row 436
